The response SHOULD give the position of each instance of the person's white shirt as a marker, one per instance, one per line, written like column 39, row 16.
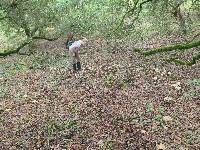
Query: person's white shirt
column 76, row 44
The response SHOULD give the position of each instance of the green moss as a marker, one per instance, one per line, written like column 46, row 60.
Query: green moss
column 172, row 47
column 185, row 62
column 181, row 46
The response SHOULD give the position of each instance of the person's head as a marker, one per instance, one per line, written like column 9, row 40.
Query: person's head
column 84, row 41
column 70, row 35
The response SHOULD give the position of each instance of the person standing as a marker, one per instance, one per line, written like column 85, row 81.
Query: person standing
column 74, row 48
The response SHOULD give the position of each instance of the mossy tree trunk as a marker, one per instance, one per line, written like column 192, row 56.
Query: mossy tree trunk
column 185, row 62
column 181, row 46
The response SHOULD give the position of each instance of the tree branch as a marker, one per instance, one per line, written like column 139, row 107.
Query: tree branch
column 45, row 38
column 7, row 53
column 132, row 11
column 181, row 46
column 140, row 9
column 182, row 62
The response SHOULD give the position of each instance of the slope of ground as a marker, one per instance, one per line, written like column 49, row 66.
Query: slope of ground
column 120, row 100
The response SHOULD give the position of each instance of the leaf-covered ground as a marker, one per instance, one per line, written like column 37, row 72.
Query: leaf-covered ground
column 120, row 100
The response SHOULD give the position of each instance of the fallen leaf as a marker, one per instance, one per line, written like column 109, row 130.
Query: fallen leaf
column 34, row 101
column 8, row 109
column 161, row 147
column 167, row 118
column 143, row 131
column 155, row 78
column 168, row 99
column 100, row 143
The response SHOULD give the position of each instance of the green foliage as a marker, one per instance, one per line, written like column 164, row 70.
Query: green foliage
column 110, row 145
column 38, row 61
column 159, row 118
column 122, row 84
column 45, row 60
column 157, row 114
column 149, row 107
column 2, row 91
column 138, row 19
column 160, row 110
column 22, row 20
column 12, row 68
column 193, row 137
column 66, row 128
column 194, row 85
column 109, row 79
column 194, row 82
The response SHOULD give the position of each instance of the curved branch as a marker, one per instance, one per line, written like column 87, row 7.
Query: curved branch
column 45, row 38
column 188, row 62
column 140, row 9
column 7, row 53
column 132, row 11
column 181, row 46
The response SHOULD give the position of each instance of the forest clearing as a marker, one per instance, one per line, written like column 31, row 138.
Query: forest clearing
column 138, row 87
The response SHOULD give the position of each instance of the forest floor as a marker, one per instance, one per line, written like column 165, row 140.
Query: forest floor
column 119, row 101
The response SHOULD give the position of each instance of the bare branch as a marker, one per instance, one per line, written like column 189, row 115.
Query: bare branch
column 131, row 11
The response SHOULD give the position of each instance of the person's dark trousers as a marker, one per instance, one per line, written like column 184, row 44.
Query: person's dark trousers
column 79, row 65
